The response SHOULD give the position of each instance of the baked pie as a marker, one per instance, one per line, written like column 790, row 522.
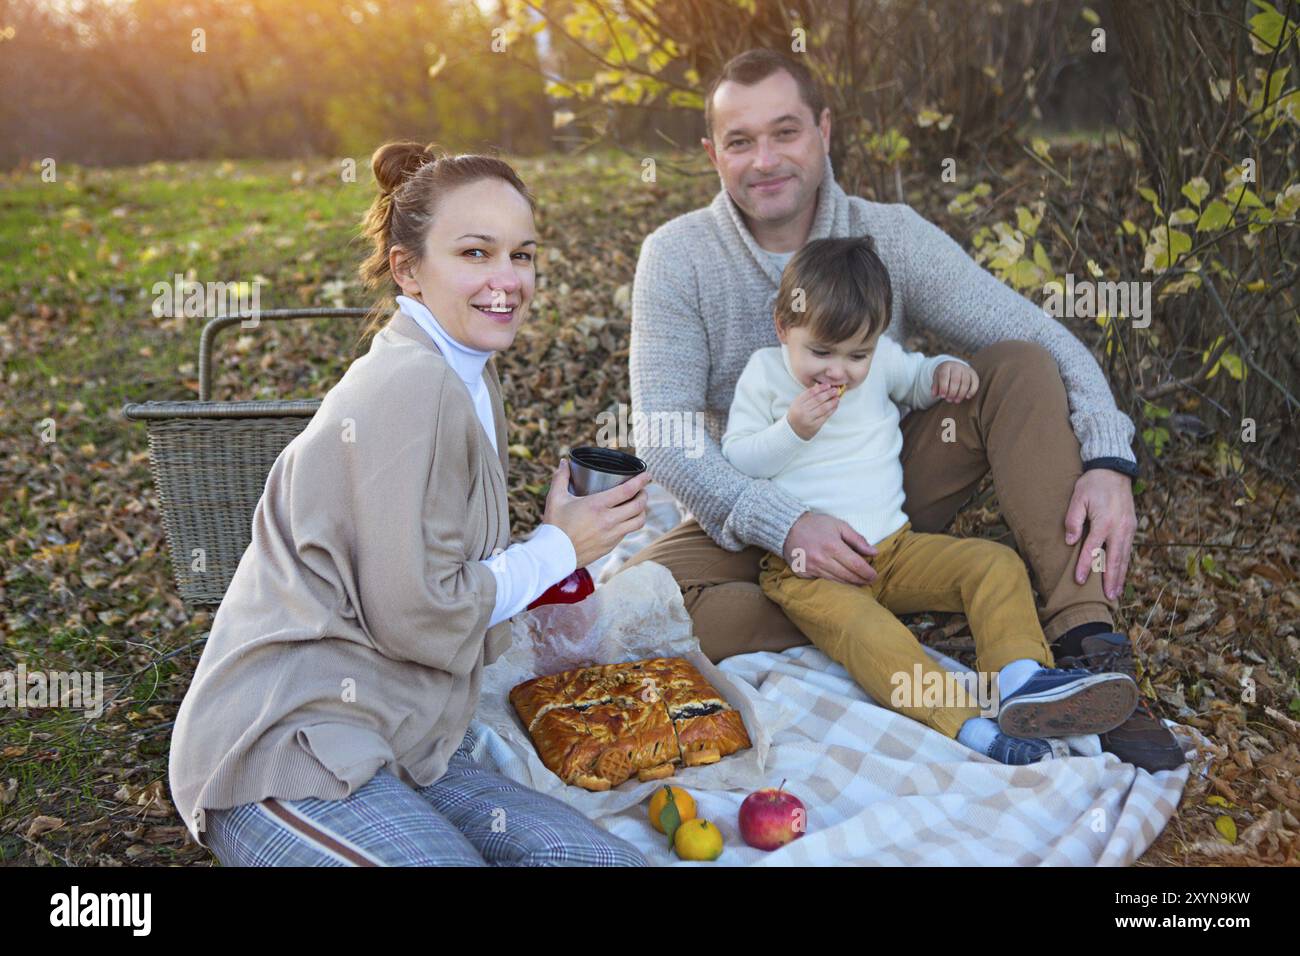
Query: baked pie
column 594, row 727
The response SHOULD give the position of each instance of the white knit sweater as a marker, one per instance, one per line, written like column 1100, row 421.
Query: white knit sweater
column 851, row 467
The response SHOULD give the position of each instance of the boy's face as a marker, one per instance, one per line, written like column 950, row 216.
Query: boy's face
column 845, row 363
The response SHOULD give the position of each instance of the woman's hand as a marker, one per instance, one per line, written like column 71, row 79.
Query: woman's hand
column 595, row 523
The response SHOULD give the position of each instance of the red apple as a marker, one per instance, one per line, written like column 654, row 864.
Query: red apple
column 772, row 818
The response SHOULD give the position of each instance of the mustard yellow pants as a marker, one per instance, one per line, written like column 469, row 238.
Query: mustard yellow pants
column 856, row 626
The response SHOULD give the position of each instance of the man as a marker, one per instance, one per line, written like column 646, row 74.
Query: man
column 1045, row 422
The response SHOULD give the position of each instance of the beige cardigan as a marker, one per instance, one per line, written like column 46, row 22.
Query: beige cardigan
column 354, row 632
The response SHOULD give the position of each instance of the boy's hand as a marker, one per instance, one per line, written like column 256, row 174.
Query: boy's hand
column 954, row 381
column 809, row 411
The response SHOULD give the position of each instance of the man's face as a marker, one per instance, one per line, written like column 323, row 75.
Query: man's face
column 814, row 362
column 767, row 147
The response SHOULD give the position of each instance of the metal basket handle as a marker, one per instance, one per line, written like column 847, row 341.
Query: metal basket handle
column 210, row 331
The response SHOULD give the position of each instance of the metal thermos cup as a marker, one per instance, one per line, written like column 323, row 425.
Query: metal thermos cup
column 593, row 470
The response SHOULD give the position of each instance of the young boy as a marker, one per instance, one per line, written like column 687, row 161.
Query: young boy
column 818, row 416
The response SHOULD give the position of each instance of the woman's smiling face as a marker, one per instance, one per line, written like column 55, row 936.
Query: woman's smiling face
column 477, row 272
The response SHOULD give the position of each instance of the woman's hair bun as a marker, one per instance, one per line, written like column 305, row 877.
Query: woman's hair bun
column 394, row 163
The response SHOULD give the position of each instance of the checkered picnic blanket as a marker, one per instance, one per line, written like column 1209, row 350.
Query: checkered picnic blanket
column 880, row 788
column 884, row 790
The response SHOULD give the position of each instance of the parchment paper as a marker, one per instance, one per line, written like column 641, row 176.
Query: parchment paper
column 638, row 614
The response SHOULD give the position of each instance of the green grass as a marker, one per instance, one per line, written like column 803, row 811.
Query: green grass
column 81, row 257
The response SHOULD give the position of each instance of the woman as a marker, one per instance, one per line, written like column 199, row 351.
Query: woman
column 326, row 722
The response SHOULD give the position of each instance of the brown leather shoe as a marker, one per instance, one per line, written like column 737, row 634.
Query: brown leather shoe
column 1143, row 740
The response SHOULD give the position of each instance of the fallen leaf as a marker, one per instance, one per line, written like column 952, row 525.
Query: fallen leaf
column 43, row 825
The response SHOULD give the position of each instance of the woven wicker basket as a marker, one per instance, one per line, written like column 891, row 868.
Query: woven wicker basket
column 210, row 461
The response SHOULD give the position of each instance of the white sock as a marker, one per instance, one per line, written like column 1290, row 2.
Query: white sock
column 1012, row 677
column 977, row 733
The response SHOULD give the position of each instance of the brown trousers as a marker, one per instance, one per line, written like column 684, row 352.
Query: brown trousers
column 1017, row 426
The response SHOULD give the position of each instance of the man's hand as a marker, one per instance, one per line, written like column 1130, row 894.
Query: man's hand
column 954, row 382
column 830, row 549
column 810, row 409
column 1105, row 498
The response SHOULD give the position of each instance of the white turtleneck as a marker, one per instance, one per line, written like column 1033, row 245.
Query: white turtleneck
column 527, row 568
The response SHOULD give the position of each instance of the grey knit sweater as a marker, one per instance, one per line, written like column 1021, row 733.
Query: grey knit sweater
column 702, row 304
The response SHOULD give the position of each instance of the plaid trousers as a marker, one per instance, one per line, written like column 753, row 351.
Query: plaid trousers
column 470, row 816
